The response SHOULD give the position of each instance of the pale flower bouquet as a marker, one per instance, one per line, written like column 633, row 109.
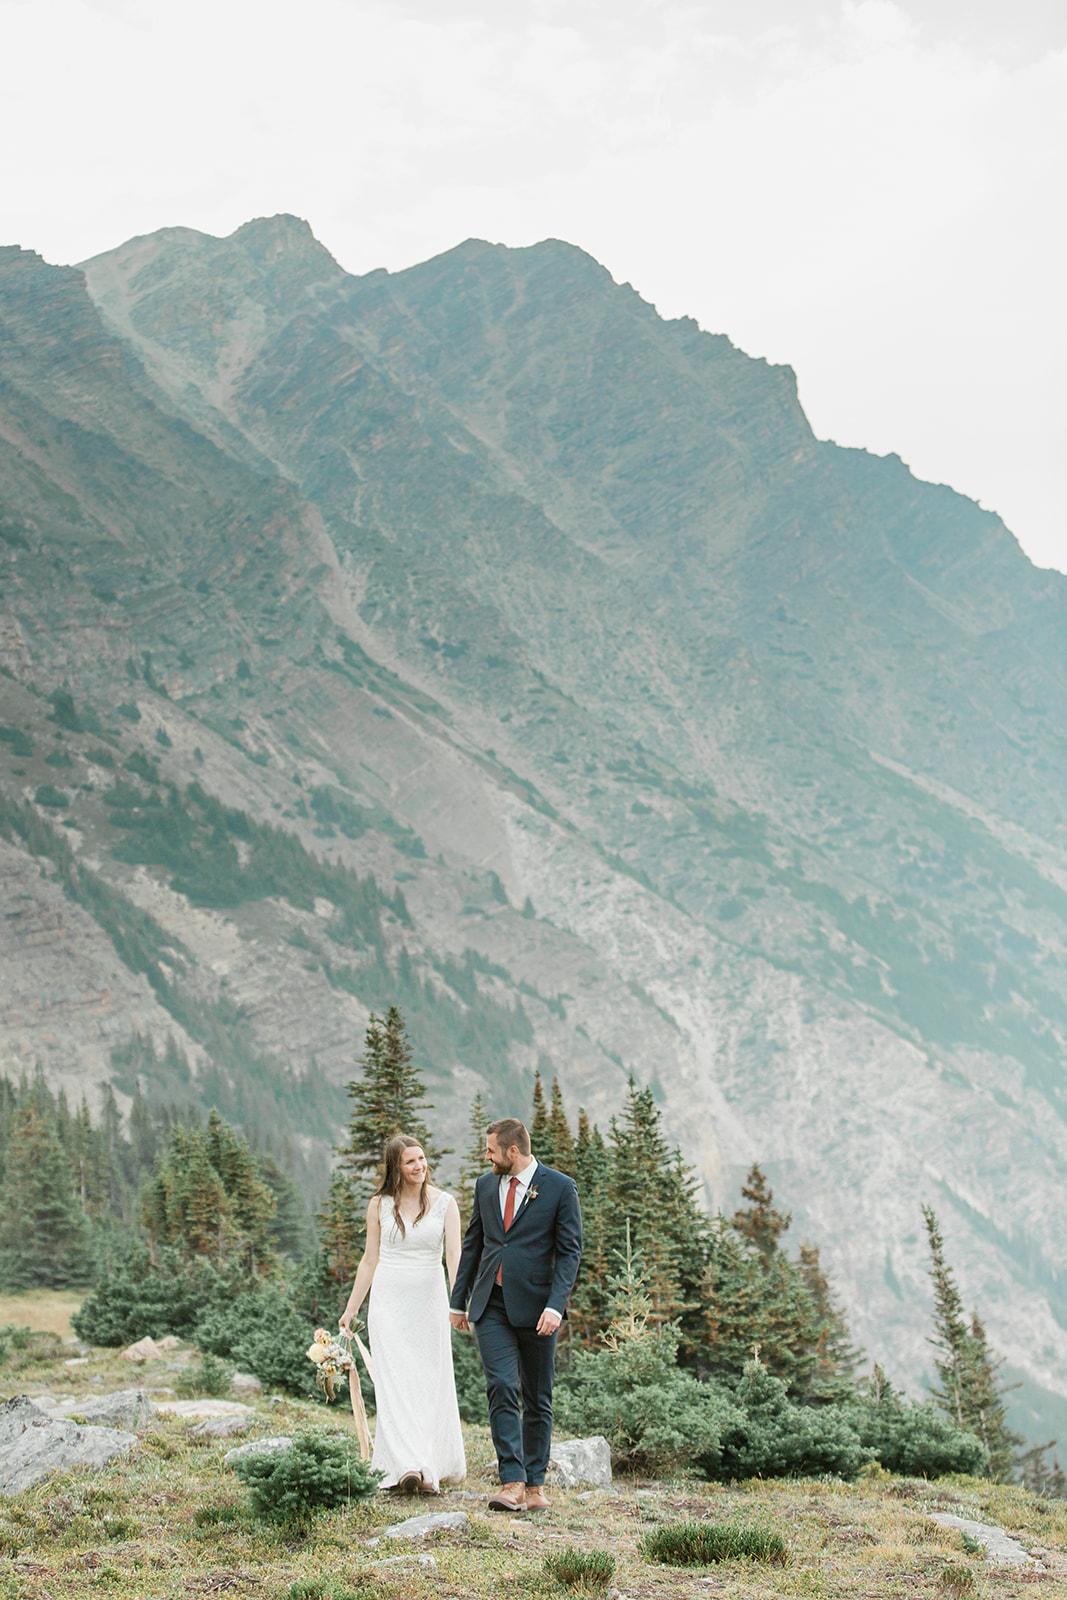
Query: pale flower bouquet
column 334, row 1359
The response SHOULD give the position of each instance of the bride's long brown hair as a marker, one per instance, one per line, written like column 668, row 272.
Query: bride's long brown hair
column 393, row 1179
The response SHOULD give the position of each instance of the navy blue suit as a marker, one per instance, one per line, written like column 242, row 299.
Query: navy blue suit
column 538, row 1259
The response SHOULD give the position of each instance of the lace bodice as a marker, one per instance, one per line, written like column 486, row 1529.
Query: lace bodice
column 420, row 1244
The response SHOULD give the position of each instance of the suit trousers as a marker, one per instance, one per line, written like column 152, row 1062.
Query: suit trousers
column 520, row 1365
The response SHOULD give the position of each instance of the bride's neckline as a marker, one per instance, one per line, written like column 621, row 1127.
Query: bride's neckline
column 413, row 1220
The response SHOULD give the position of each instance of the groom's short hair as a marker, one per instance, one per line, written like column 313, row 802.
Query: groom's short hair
column 510, row 1131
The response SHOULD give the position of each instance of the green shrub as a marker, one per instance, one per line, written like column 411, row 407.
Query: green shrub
column 775, row 1438
column 582, row 1571
column 327, row 1589
column 11, row 1340
column 915, row 1441
column 263, row 1333
column 136, row 1296
column 209, row 1376
column 656, row 1417
column 319, row 1473
column 20, row 742
column 957, row 1582
column 697, row 1544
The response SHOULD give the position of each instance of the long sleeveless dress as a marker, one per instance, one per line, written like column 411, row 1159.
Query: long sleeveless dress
column 418, row 1427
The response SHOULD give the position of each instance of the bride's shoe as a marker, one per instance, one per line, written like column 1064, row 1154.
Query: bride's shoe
column 409, row 1483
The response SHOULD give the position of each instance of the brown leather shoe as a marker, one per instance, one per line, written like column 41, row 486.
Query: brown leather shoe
column 509, row 1497
column 535, row 1498
column 410, row 1483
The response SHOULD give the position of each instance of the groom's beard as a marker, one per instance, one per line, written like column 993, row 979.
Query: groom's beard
column 502, row 1169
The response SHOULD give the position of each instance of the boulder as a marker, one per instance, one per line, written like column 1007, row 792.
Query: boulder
column 246, row 1383
column 126, row 1408
column 258, row 1447
column 575, row 1461
column 219, row 1427
column 34, row 1445
column 419, row 1527
column 171, row 1342
column 202, row 1408
column 145, row 1349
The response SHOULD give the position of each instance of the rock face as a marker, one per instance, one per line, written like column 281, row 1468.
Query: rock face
column 664, row 738
column 33, row 1446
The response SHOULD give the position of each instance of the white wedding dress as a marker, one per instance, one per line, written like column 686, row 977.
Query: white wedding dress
column 418, row 1427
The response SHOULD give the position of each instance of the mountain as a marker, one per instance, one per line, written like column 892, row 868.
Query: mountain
column 484, row 641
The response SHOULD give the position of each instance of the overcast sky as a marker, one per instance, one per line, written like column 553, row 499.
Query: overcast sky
column 870, row 190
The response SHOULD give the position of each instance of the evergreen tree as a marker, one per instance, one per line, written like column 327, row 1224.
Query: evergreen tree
column 560, row 1134
column 653, row 1191
column 587, row 1311
column 385, row 1101
column 966, row 1366
column 341, row 1230
column 44, row 1237
column 540, row 1130
column 836, row 1359
column 473, row 1163
column 206, row 1198
column 759, row 1222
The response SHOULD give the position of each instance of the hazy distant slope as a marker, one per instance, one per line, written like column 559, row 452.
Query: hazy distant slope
column 569, row 609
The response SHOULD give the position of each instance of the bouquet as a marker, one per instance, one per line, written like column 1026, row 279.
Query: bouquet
column 334, row 1359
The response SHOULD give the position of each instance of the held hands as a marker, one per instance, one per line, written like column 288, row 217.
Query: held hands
column 459, row 1321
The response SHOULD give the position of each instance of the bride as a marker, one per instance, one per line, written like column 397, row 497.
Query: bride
column 417, row 1439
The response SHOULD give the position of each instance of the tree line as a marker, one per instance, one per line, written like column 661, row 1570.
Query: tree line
column 178, row 1222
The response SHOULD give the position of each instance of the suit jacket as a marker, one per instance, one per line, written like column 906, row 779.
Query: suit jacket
column 539, row 1254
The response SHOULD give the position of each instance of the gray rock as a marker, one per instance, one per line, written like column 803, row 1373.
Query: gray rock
column 258, row 1447
column 126, row 1408
column 220, row 1427
column 429, row 1522
column 33, row 1445
column 246, row 1383
column 145, row 1349
column 1000, row 1548
column 580, row 1461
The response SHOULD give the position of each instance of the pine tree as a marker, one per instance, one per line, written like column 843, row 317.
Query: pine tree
column 341, row 1230
column 759, row 1222
column 950, row 1325
column 385, row 1102
column 473, row 1163
column 653, row 1191
column 836, row 1359
column 44, row 1237
column 540, row 1129
column 967, row 1366
column 560, row 1134
column 588, row 1308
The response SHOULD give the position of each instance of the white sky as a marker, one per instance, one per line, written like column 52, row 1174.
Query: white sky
column 870, row 190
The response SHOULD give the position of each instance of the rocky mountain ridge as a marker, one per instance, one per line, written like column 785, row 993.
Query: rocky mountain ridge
column 670, row 739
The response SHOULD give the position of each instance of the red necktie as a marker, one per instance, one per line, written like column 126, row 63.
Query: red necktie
column 509, row 1217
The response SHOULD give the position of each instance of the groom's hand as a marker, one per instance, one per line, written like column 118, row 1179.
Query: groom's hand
column 459, row 1320
column 550, row 1321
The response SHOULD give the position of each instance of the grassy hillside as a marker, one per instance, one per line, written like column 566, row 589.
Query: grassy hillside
column 171, row 1522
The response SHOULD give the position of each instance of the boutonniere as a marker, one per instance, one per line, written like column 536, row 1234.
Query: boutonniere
column 531, row 1194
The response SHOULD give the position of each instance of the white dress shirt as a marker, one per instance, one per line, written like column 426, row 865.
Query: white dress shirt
column 525, row 1178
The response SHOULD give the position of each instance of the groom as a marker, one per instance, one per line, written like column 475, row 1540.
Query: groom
column 518, row 1266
